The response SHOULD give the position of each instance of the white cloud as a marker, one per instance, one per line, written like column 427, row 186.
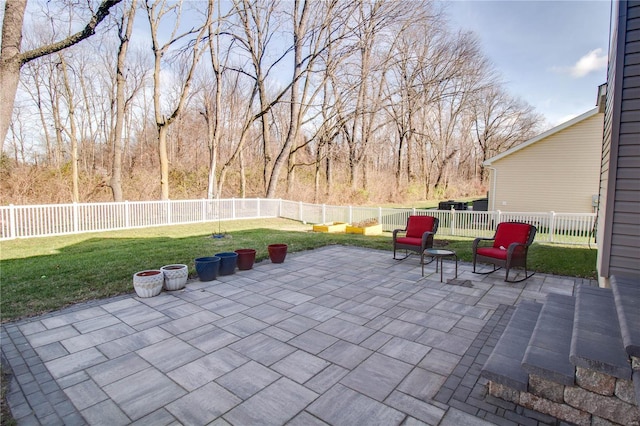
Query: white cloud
column 592, row 61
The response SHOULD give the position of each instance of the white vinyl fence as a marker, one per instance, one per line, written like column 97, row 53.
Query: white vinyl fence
column 60, row 219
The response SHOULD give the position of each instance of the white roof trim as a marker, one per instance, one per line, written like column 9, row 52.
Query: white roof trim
column 541, row 136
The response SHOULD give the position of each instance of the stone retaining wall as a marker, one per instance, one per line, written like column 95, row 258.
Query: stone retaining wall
column 596, row 399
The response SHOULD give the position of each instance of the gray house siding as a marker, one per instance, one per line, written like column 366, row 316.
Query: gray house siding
column 619, row 214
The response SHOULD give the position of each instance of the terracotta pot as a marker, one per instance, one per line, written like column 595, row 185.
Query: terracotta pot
column 246, row 258
column 148, row 283
column 207, row 267
column 277, row 252
column 175, row 276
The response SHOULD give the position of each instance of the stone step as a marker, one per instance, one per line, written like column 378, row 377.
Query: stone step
column 504, row 365
column 547, row 354
column 596, row 341
column 626, row 292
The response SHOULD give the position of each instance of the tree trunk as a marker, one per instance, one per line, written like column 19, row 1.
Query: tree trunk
column 75, row 195
column 116, row 161
column 10, row 62
column 300, row 28
column 329, row 169
column 213, row 111
column 164, row 161
column 243, row 177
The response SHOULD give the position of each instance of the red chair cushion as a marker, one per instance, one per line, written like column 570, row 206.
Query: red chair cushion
column 418, row 225
column 409, row 241
column 495, row 253
column 511, row 233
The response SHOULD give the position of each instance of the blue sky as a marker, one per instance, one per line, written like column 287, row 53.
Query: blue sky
column 552, row 54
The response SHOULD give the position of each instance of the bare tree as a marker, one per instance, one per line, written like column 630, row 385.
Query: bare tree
column 125, row 28
column 156, row 12
column 363, row 97
column 213, row 98
column 500, row 122
column 12, row 59
column 72, row 133
column 315, row 29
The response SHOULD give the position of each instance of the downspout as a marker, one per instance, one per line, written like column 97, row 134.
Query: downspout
column 492, row 194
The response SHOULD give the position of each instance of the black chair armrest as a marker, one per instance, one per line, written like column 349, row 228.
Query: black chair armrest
column 396, row 231
column 426, row 237
column 512, row 248
column 477, row 241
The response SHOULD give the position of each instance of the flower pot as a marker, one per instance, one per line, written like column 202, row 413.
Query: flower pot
column 277, row 252
column 228, row 261
column 175, row 276
column 246, row 258
column 207, row 267
column 148, row 283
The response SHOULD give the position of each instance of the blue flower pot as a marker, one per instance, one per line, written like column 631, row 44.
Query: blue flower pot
column 228, row 262
column 207, row 267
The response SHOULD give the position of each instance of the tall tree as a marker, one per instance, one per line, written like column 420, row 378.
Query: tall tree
column 500, row 121
column 72, row 132
column 12, row 59
column 156, row 12
column 213, row 101
column 124, row 33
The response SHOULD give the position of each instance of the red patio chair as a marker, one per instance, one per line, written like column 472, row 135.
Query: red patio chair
column 416, row 236
column 509, row 249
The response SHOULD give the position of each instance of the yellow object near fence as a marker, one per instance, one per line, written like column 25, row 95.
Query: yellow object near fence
column 365, row 230
column 330, row 227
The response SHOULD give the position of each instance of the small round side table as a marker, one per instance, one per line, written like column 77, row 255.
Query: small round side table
column 439, row 255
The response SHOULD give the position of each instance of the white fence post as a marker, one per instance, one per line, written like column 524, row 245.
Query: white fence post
column 168, row 207
column 324, row 213
column 75, row 217
column 258, row 207
column 351, row 215
column 380, row 215
column 233, row 208
column 127, row 220
column 453, row 221
column 552, row 225
column 12, row 221
column 300, row 211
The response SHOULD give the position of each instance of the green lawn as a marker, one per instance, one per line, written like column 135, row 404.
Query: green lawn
column 43, row 274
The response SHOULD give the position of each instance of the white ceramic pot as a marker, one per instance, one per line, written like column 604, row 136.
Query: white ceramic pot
column 175, row 276
column 148, row 283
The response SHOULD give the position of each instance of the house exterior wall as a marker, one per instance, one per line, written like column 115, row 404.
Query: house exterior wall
column 618, row 232
column 558, row 173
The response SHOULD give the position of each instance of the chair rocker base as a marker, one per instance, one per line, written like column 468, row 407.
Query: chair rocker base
column 406, row 254
column 487, row 272
column 527, row 275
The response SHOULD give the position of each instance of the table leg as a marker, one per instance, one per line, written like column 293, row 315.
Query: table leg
column 456, row 257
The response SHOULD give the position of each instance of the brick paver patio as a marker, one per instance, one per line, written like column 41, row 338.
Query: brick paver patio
column 338, row 335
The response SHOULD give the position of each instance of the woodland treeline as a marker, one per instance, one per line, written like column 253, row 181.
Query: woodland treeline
column 319, row 100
